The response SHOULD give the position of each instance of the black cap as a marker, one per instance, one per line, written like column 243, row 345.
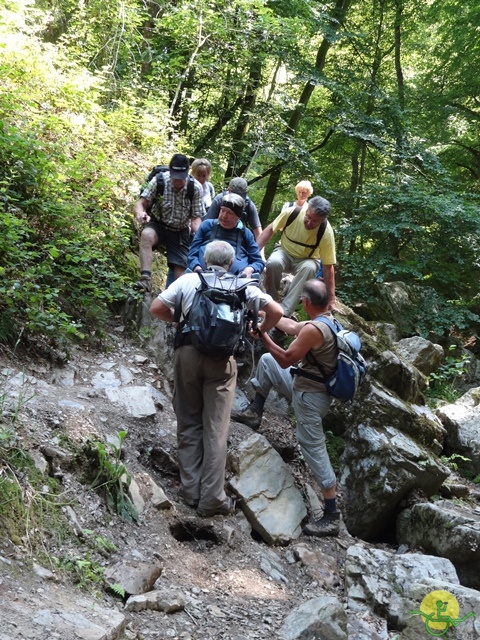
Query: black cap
column 179, row 166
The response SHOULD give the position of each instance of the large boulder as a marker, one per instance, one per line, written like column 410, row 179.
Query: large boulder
column 377, row 583
column 269, row 498
column 462, row 424
column 401, row 377
column 380, row 467
column 380, row 407
column 423, row 354
column 448, row 530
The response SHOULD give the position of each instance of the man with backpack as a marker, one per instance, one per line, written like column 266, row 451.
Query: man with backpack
column 204, row 382
column 171, row 209
column 307, row 237
column 315, row 344
column 249, row 215
column 229, row 227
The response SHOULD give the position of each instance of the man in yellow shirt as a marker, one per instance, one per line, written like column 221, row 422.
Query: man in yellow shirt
column 307, row 239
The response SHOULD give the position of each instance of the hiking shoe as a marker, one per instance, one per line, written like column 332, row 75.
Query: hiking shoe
column 144, row 284
column 223, row 510
column 190, row 502
column 329, row 525
column 250, row 416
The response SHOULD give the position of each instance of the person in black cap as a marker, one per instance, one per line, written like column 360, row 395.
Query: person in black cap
column 250, row 213
column 175, row 214
column 230, row 228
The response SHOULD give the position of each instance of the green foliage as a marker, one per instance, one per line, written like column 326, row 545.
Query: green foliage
column 452, row 461
column 444, row 384
column 85, row 571
column 111, row 477
column 27, row 508
column 84, row 116
column 63, row 234
column 335, row 447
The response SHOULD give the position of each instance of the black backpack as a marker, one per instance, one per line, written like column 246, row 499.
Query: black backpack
column 321, row 230
column 218, row 319
column 159, row 171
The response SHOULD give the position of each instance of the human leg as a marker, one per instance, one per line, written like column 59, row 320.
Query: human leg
column 278, row 262
column 268, row 374
column 220, row 378
column 304, row 270
column 149, row 239
column 188, row 407
column 177, row 244
column 309, row 409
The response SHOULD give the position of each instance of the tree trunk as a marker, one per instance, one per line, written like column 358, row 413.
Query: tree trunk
column 338, row 16
column 242, row 151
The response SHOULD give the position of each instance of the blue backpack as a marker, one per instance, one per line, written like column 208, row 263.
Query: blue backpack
column 351, row 368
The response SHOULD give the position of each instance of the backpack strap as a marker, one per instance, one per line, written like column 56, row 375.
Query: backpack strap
column 293, row 216
column 160, row 183
column 214, row 234
column 334, row 327
column 190, row 188
column 320, row 231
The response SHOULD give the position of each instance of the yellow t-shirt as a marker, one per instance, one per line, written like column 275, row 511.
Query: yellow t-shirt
column 297, row 232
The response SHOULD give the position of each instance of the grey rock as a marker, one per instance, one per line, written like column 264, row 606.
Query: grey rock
column 270, row 500
column 380, row 466
column 322, row 617
column 448, row 530
column 137, row 401
column 134, row 577
column 401, row 377
column 156, row 601
column 423, row 354
column 105, row 380
column 462, row 423
column 378, row 581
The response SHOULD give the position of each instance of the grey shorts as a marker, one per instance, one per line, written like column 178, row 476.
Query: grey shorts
column 176, row 243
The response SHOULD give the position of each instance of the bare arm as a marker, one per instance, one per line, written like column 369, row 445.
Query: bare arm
column 265, row 236
column 160, row 310
column 308, row 338
column 195, row 223
column 140, row 211
column 292, row 327
column 273, row 313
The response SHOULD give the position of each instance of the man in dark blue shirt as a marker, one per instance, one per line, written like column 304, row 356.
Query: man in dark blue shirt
column 230, row 228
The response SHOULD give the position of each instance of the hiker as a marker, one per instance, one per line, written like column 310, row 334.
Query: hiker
column 230, row 228
column 299, row 251
column 250, row 214
column 303, row 191
column 174, row 217
column 309, row 398
column 201, row 170
column 204, row 389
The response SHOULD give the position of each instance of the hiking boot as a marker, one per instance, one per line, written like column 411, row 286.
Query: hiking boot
column 329, row 525
column 144, row 284
column 190, row 502
column 223, row 510
column 250, row 416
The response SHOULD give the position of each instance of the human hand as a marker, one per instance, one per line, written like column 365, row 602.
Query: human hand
column 143, row 217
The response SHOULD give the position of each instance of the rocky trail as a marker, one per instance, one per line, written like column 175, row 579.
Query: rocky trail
column 218, row 578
